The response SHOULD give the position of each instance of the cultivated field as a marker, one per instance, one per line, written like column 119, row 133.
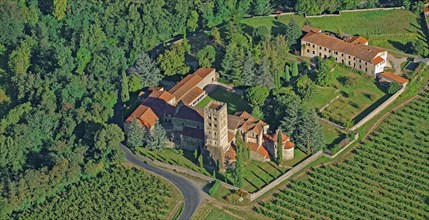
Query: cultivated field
column 386, row 177
column 388, row 29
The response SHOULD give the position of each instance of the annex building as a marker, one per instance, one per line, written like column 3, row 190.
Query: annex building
column 211, row 130
column 351, row 51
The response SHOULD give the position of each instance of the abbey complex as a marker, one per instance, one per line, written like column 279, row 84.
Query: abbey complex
column 211, row 131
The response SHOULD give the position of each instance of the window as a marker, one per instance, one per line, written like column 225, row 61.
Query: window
column 314, row 52
column 329, row 51
column 320, row 48
column 320, row 54
column 326, row 56
column 313, row 46
column 349, row 63
column 308, row 51
column 325, row 48
column 349, row 57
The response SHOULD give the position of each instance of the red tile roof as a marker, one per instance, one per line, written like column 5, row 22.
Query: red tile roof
column 164, row 95
column 396, row 78
column 360, row 51
column 204, row 72
column 377, row 60
column 144, row 116
column 191, row 95
column 289, row 145
column 189, row 82
column 231, row 153
column 358, row 40
column 263, row 152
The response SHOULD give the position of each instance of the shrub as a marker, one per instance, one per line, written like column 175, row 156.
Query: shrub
column 393, row 87
column 214, row 188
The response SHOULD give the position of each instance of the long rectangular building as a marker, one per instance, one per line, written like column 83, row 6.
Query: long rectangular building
column 354, row 52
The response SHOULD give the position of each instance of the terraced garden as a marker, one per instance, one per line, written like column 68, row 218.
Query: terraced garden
column 386, row 177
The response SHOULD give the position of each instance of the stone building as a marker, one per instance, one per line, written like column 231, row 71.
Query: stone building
column 211, row 131
column 353, row 52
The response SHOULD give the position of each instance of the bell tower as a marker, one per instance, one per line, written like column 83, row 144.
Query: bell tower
column 216, row 131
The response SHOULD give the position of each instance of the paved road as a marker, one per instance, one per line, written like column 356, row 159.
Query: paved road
column 190, row 192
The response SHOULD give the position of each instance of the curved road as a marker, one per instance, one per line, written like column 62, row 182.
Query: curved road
column 190, row 192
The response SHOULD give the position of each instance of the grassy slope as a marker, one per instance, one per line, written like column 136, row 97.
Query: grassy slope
column 387, row 29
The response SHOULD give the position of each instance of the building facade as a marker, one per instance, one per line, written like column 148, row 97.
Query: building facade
column 354, row 52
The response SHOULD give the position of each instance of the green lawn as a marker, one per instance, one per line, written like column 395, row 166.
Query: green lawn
column 388, row 29
column 260, row 174
column 333, row 135
column 321, row 97
column 176, row 157
column 234, row 102
column 217, row 214
column 354, row 98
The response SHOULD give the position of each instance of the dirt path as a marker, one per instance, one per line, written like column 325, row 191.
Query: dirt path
column 395, row 62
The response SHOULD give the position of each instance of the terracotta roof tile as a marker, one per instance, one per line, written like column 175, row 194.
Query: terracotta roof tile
column 234, row 122
column 231, row 153
column 363, row 52
column 252, row 146
column 377, row 60
column 203, row 72
column 186, row 84
column 357, row 40
column 144, row 115
column 396, row 78
column 289, row 145
column 164, row 95
column 263, row 152
column 192, row 95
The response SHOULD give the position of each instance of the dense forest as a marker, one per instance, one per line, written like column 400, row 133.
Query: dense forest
column 62, row 64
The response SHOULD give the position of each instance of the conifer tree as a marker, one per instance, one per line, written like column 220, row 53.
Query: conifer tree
column 135, row 134
column 279, row 146
column 295, row 69
column 125, row 95
column 287, row 74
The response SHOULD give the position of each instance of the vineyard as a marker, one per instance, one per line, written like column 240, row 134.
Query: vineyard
column 118, row 194
column 386, row 177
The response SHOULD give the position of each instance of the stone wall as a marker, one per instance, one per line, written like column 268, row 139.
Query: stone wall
column 285, row 176
column 379, row 109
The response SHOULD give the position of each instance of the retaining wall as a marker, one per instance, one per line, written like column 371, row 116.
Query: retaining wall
column 288, row 174
column 344, row 148
column 378, row 109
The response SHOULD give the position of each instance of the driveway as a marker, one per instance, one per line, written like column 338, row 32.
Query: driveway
column 189, row 190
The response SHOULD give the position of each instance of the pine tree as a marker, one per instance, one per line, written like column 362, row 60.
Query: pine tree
column 279, row 146
column 157, row 139
column 147, row 70
column 135, row 135
column 293, row 31
column 248, row 70
column 125, row 95
column 295, row 69
column 265, row 78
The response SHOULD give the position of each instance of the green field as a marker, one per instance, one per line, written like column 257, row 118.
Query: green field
column 234, row 102
column 259, row 174
column 385, row 178
column 354, row 97
column 388, row 29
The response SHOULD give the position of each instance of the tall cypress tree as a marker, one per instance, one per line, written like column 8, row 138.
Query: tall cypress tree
column 125, row 95
column 239, row 162
column 279, row 146
column 295, row 69
column 287, row 73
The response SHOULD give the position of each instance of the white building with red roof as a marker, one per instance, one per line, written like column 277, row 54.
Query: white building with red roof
column 354, row 52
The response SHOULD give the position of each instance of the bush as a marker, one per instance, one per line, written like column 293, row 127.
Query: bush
column 393, row 88
column 214, row 188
